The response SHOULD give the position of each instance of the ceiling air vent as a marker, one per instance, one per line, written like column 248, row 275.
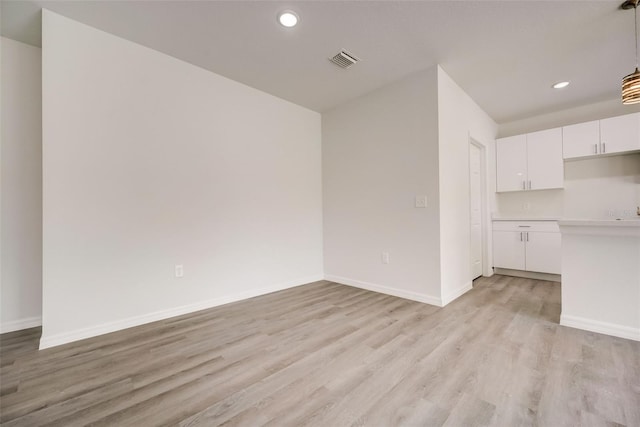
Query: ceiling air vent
column 344, row 59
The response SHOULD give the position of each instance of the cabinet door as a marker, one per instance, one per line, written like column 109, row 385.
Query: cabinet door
column 619, row 134
column 581, row 140
column 511, row 163
column 508, row 250
column 545, row 166
column 543, row 252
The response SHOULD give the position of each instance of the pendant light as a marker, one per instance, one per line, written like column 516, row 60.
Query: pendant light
column 631, row 83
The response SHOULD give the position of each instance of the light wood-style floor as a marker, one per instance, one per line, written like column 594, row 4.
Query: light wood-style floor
column 330, row 355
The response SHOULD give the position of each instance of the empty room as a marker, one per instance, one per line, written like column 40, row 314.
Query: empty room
column 319, row 213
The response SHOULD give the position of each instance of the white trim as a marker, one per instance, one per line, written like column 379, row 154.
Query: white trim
column 67, row 337
column 17, row 325
column 446, row 299
column 600, row 327
column 549, row 277
column 414, row 296
column 485, row 216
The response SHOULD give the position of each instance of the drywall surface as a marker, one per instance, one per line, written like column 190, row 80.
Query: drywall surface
column 379, row 152
column 541, row 203
column 570, row 116
column 149, row 163
column 21, row 261
column 601, row 281
column 459, row 121
column 603, row 188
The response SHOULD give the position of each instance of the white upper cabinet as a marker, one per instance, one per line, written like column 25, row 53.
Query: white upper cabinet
column 581, row 140
column 544, row 159
column 530, row 162
column 607, row 136
column 511, row 159
column 620, row 134
column 535, row 161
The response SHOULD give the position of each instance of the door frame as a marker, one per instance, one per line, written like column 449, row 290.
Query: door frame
column 486, row 269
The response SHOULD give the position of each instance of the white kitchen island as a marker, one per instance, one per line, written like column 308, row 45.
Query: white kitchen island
column 601, row 276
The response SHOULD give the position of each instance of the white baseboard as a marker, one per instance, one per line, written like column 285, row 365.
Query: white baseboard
column 414, row 296
column 447, row 298
column 529, row 274
column 606, row 328
column 17, row 325
column 48, row 341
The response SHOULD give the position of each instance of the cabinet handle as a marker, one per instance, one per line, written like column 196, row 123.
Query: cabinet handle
column 521, row 236
column 604, row 147
column 529, row 184
column 524, row 186
column 595, row 148
column 527, row 236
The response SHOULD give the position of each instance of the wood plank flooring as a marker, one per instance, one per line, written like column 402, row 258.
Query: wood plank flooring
column 325, row 354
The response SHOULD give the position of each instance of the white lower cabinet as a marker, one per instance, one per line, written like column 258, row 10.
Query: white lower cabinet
column 508, row 250
column 527, row 246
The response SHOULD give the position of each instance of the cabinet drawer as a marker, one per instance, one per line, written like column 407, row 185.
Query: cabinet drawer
column 544, row 226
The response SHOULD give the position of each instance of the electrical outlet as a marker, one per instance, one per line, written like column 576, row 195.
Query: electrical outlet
column 179, row 270
column 421, row 201
column 385, row 257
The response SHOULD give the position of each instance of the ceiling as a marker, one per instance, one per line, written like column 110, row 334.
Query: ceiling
column 504, row 54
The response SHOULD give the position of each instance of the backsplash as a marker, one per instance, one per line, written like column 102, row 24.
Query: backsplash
column 543, row 203
column 602, row 188
column 599, row 188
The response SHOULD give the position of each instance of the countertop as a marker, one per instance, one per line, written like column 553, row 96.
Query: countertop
column 628, row 228
column 627, row 222
column 524, row 218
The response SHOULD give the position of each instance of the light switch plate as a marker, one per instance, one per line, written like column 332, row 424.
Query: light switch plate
column 421, row 201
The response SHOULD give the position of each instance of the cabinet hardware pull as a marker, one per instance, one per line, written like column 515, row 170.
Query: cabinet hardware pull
column 529, row 184
column 527, row 236
column 595, row 148
column 524, row 226
column 524, row 186
column 604, row 147
column 521, row 236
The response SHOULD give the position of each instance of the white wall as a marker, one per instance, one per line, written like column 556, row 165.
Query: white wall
column 21, row 180
column 605, row 188
column 594, row 188
column 151, row 162
column 569, row 116
column 601, row 280
column 541, row 203
column 379, row 152
column 459, row 120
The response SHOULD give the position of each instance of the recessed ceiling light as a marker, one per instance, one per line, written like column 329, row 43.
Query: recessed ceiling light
column 288, row 18
column 560, row 85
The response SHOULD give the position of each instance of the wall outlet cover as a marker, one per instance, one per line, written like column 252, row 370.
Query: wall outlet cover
column 179, row 270
column 421, row 201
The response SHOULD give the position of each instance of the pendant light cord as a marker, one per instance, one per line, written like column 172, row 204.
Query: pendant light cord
column 635, row 11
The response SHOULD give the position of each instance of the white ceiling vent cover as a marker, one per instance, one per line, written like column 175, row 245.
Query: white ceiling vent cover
column 344, row 59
